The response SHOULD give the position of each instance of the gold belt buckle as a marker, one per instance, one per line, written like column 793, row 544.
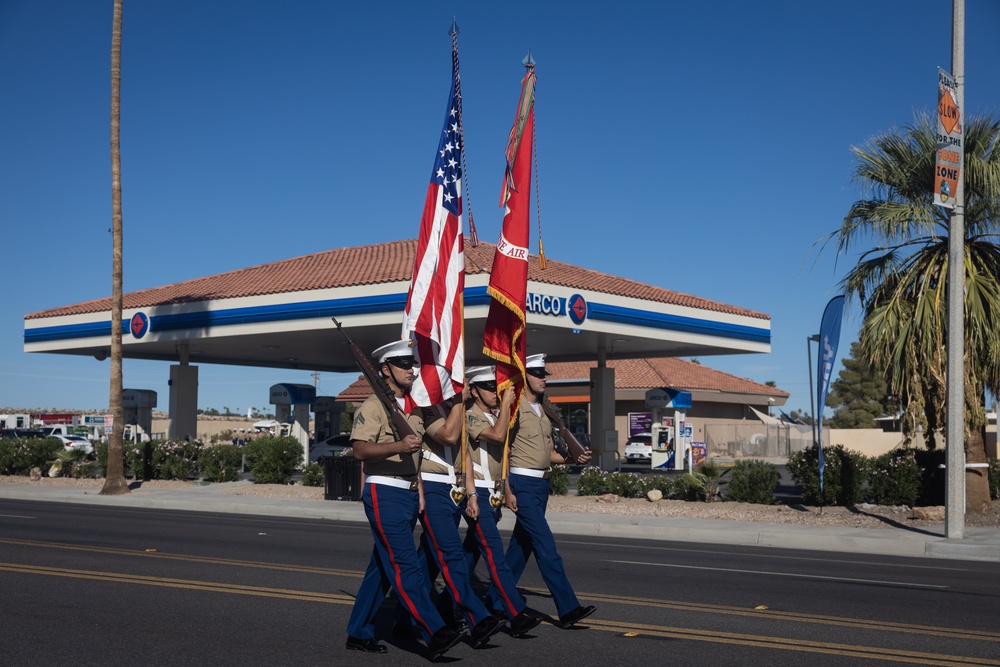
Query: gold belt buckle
column 413, row 485
column 496, row 498
column 547, row 474
column 457, row 494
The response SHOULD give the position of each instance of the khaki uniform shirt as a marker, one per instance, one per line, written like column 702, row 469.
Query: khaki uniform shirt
column 476, row 421
column 531, row 439
column 434, row 419
column 371, row 424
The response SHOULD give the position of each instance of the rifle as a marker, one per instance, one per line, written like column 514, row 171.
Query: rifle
column 575, row 448
column 397, row 420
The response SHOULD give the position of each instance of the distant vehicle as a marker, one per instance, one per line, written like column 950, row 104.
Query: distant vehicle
column 639, row 448
column 21, row 433
column 58, row 429
column 332, row 446
column 76, row 443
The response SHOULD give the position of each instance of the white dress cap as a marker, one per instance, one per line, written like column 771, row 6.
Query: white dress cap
column 399, row 348
column 535, row 361
column 481, row 374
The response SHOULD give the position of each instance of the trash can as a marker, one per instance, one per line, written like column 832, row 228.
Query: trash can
column 343, row 478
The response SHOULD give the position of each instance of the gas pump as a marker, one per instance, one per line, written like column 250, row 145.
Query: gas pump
column 292, row 403
column 671, row 434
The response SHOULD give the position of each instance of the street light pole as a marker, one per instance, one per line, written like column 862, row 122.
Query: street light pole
column 812, row 401
column 954, row 515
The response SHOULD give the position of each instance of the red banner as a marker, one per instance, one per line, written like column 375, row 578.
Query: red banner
column 504, row 340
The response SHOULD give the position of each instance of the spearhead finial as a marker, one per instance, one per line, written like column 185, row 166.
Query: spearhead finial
column 528, row 61
column 454, row 27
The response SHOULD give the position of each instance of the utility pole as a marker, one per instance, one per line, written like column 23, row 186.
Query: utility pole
column 954, row 515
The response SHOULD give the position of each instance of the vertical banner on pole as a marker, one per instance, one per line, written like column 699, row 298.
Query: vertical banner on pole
column 829, row 340
column 950, row 155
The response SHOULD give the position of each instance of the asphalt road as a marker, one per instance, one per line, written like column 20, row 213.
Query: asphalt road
column 89, row 585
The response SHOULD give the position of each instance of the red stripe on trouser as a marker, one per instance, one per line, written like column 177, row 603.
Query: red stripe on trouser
column 395, row 566
column 494, row 575
column 444, row 564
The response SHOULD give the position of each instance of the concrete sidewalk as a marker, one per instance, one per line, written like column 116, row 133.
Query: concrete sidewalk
column 978, row 544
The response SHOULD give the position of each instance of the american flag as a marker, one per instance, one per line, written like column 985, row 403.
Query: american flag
column 433, row 316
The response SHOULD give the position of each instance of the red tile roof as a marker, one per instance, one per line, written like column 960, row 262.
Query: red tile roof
column 374, row 264
column 633, row 374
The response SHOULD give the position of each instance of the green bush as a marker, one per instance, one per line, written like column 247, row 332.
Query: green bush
column 221, row 463
column 19, row 455
column 994, row 473
column 272, row 460
column 894, row 478
column 176, row 459
column 312, row 475
column 753, row 482
column 559, row 480
column 843, row 480
column 688, row 487
column 594, row 482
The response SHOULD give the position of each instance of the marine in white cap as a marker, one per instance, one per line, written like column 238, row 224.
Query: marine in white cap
column 392, row 503
column 532, row 450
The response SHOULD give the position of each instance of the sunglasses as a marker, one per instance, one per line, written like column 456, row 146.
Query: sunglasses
column 488, row 386
column 537, row 372
column 406, row 363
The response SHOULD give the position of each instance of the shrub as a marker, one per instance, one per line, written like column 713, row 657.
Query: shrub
column 663, row 483
column 272, row 460
column 312, row 475
column 753, row 482
column 221, row 463
column 175, row 459
column 559, row 480
column 843, row 480
column 894, row 478
column 994, row 474
column 687, row 487
column 19, row 455
column 592, row 482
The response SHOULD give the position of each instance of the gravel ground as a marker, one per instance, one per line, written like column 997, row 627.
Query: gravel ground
column 860, row 516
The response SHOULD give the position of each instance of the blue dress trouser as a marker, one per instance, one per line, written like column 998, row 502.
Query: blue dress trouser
column 441, row 539
column 533, row 535
column 392, row 513
column 483, row 538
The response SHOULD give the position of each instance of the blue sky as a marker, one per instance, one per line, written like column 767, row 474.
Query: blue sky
column 700, row 147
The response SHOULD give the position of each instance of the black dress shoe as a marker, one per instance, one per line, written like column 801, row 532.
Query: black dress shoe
column 523, row 623
column 365, row 645
column 575, row 616
column 444, row 639
column 485, row 629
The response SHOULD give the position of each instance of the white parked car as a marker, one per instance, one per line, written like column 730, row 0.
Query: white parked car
column 332, row 446
column 639, row 448
column 76, row 443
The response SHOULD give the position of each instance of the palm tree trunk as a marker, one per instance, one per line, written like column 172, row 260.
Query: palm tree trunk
column 114, row 483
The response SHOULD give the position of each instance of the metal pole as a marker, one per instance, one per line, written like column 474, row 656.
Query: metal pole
column 812, row 401
column 954, row 516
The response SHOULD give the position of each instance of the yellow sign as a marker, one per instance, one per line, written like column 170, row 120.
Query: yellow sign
column 950, row 156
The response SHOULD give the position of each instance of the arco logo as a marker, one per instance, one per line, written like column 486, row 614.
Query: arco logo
column 139, row 325
column 577, row 307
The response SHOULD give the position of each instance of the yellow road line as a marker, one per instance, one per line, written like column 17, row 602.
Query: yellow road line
column 891, row 626
column 791, row 644
column 757, row 641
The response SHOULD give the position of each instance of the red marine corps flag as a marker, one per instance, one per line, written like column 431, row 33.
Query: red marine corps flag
column 433, row 316
column 504, row 339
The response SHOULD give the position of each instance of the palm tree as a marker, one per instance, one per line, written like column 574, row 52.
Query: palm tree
column 901, row 283
column 114, row 482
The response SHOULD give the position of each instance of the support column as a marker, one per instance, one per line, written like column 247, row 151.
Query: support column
column 603, row 436
column 183, row 401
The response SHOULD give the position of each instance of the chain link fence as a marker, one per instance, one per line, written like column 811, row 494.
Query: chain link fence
column 758, row 440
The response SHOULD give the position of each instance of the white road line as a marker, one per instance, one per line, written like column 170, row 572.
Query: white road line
column 16, row 516
column 782, row 574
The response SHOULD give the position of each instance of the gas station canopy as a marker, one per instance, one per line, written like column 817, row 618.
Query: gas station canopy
column 279, row 315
